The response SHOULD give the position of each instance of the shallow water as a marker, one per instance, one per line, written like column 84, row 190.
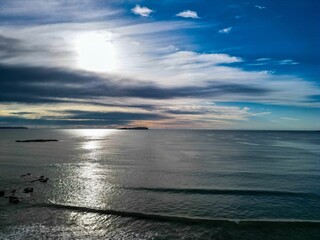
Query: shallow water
column 161, row 184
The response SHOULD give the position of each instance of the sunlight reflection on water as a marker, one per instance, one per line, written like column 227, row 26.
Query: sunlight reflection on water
column 92, row 185
column 93, row 133
column 88, row 181
column 92, row 141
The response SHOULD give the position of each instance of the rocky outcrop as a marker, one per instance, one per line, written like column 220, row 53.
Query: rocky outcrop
column 134, row 128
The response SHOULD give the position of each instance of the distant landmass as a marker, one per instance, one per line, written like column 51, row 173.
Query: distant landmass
column 13, row 128
column 37, row 140
column 134, row 128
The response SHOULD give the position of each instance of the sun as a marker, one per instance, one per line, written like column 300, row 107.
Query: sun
column 95, row 52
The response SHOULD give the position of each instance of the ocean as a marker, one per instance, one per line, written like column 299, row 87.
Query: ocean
column 161, row 184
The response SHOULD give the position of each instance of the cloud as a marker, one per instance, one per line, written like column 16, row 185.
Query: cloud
column 270, row 61
column 82, row 118
column 39, row 85
column 188, row 14
column 203, row 115
column 53, row 11
column 289, row 119
column 225, row 30
column 207, row 59
column 9, row 47
column 159, row 80
column 200, row 115
column 26, row 85
column 260, row 7
column 177, row 114
column 54, row 45
column 112, row 116
column 119, row 100
column 22, row 113
column 145, row 72
column 287, row 62
column 142, row 11
column 210, row 111
column 263, row 59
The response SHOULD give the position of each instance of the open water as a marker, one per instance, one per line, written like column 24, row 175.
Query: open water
column 161, row 184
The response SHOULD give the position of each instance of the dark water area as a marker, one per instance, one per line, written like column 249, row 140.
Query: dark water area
column 161, row 184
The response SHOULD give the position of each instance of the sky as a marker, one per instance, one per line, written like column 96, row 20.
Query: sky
column 172, row 64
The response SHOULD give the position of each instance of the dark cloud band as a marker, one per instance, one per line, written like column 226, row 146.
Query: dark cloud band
column 51, row 85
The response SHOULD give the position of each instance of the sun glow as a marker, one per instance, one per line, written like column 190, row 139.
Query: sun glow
column 96, row 52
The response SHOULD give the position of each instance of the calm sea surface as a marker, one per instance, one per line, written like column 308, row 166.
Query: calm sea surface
column 161, row 184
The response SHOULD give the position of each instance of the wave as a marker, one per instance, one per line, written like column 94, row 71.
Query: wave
column 186, row 219
column 226, row 191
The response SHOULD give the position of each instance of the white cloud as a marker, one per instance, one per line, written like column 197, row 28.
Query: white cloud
column 209, row 110
column 260, row 7
column 183, row 58
column 188, row 14
column 142, row 11
column 225, row 30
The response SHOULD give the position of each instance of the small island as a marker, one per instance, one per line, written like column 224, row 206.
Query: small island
column 37, row 140
column 134, row 128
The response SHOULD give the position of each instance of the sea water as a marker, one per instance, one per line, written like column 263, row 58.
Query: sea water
column 161, row 184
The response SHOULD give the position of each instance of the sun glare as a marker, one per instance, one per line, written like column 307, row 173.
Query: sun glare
column 95, row 52
column 95, row 133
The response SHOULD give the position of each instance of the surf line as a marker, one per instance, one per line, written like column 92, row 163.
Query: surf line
column 187, row 219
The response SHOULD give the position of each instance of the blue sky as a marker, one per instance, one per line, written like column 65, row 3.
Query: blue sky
column 163, row 64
